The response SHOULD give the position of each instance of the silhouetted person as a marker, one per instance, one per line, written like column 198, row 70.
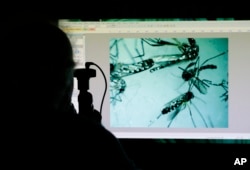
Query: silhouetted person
column 39, row 126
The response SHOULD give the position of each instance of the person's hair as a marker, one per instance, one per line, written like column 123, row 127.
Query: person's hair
column 37, row 64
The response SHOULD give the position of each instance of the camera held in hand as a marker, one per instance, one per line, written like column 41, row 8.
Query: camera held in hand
column 85, row 99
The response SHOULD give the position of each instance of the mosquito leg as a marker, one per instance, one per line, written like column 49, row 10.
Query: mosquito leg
column 125, row 46
column 177, row 41
column 214, row 57
column 201, row 115
column 157, row 42
column 170, row 123
column 142, row 48
column 191, row 116
column 177, row 111
column 210, row 121
column 152, row 121
column 114, row 57
column 116, row 98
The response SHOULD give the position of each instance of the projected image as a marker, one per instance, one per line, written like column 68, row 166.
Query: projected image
column 169, row 82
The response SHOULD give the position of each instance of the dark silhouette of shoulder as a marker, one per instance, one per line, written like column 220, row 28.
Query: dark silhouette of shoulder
column 40, row 129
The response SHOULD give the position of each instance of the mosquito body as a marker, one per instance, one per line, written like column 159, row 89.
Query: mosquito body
column 191, row 73
column 188, row 52
column 123, row 70
column 176, row 105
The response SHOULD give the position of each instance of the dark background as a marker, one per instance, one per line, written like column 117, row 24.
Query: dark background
column 96, row 10
column 153, row 153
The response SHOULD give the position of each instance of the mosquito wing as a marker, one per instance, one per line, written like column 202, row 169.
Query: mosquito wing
column 174, row 104
column 123, row 70
column 157, row 42
column 200, row 85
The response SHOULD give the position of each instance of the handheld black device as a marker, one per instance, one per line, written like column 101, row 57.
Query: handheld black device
column 85, row 99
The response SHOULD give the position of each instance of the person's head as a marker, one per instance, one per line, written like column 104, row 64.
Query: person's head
column 38, row 67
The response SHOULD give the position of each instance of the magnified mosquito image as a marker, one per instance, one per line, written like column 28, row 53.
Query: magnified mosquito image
column 169, row 82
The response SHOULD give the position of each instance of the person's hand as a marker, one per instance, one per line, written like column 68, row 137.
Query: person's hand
column 86, row 108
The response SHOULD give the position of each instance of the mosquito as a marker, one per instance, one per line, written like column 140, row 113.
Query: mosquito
column 189, row 51
column 191, row 73
column 120, row 70
column 176, row 105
